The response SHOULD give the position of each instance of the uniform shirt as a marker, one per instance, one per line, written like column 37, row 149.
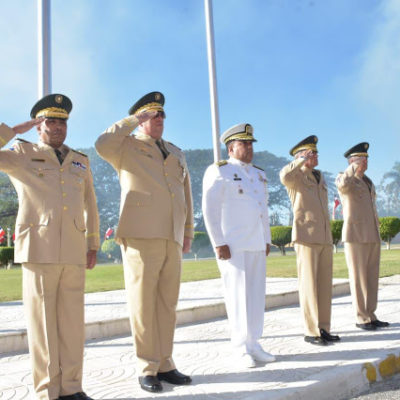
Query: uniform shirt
column 156, row 197
column 360, row 218
column 57, row 203
column 235, row 206
column 309, row 200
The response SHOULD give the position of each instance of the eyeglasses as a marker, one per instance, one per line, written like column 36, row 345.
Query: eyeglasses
column 160, row 114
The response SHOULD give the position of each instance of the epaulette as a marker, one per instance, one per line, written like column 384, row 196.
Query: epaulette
column 221, row 163
column 22, row 140
column 255, row 166
column 82, row 154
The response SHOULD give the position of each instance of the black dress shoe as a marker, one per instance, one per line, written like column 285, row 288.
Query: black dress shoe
column 150, row 383
column 318, row 340
column 174, row 377
column 380, row 324
column 327, row 336
column 368, row 326
column 76, row 396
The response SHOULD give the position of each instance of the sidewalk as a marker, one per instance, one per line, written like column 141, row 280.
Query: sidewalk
column 302, row 371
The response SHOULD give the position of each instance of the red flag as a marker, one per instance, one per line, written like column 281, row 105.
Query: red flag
column 336, row 204
column 2, row 233
column 13, row 237
column 2, row 240
column 109, row 232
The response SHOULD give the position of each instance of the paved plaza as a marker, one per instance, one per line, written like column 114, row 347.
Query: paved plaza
column 202, row 349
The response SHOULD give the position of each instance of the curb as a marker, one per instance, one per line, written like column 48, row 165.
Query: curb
column 17, row 341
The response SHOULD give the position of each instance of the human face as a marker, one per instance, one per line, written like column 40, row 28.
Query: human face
column 312, row 156
column 242, row 150
column 154, row 127
column 53, row 131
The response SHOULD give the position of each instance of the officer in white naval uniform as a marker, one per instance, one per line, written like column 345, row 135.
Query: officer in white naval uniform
column 236, row 216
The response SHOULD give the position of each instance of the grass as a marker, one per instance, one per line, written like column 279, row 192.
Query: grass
column 110, row 276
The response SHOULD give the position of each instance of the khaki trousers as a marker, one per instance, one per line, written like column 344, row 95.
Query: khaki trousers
column 363, row 264
column 314, row 269
column 152, row 271
column 54, row 306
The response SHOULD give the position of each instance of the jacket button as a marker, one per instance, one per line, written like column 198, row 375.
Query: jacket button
column 65, row 208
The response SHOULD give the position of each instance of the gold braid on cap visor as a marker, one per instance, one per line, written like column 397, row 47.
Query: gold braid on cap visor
column 53, row 112
column 149, row 107
column 240, row 136
column 309, row 146
column 358, row 155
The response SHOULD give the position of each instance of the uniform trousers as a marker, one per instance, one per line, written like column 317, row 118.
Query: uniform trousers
column 53, row 297
column 152, row 271
column 363, row 264
column 243, row 278
column 314, row 270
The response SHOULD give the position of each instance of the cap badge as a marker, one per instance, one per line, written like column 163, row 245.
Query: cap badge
column 157, row 96
column 58, row 99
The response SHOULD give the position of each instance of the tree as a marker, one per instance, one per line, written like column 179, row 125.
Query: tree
column 389, row 193
column 111, row 249
column 336, row 229
column 389, row 227
column 201, row 246
column 281, row 236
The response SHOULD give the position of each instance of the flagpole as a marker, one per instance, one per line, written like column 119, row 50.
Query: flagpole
column 44, row 48
column 212, row 78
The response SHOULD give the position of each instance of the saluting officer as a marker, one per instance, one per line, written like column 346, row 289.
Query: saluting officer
column 235, row 209
column 155, row 226
column 362, row 242
column 312, row 239
column 56, row 236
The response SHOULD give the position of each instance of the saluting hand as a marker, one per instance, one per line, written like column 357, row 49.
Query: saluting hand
column 223, row 252
column 146, row 115
column 27, row 126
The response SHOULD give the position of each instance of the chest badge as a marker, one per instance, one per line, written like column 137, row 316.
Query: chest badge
column 236, row 178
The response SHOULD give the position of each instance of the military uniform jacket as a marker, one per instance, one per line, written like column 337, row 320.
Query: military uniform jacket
column 360, row 217
column 57, row 219
column 235, row 206
column 310, row 203
column 156, row 197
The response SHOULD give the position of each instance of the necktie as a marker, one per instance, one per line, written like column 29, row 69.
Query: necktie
column 59, row 156
column 316, row 175
column 162, row 148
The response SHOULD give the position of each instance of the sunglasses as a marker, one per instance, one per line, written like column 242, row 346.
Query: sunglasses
column 160, row 114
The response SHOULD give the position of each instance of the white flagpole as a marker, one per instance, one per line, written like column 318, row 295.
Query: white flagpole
column 44, row 48
column 212, row 78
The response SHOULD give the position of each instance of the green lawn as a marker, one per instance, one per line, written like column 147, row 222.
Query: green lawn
column 110, row 276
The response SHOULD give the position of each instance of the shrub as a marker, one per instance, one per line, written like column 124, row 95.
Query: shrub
column 281, row 236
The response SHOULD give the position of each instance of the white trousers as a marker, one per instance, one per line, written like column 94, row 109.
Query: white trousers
column 243, row 277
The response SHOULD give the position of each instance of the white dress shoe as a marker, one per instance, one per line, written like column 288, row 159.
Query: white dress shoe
column 260, row 355
column 247, row 360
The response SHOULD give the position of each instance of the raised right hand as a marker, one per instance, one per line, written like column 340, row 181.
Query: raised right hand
column 145, row 116
column 27, row 126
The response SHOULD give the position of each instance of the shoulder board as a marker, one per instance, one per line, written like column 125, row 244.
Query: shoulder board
column 255, row 166
column 22, row 140
column 76, row 151
column 166, row 141
column 221, row 163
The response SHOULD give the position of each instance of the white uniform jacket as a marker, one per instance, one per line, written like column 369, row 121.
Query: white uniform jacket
column 235, row 206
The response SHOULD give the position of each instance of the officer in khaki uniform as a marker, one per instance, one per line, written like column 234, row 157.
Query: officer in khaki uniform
column 360, row 234
column 155, row 226
column 312, row 237
column 56, row 236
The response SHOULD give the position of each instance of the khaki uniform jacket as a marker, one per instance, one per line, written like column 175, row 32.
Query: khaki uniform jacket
column 361, row 223
column 310, row 203
column 156, row 197
column 57, row 220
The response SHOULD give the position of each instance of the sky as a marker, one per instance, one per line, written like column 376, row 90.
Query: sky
column 291, row 68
